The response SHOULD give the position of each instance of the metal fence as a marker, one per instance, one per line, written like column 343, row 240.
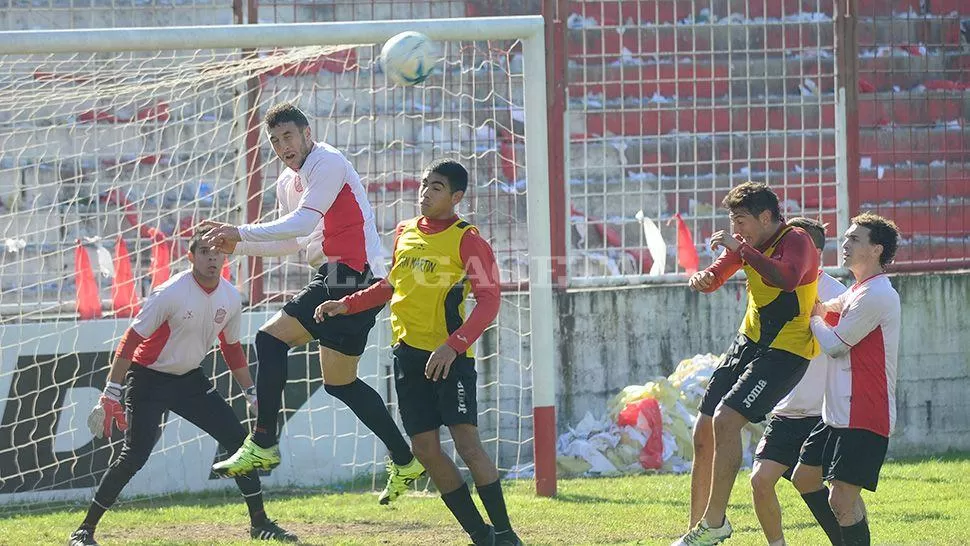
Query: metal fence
column 913, row 139
column 658, row 107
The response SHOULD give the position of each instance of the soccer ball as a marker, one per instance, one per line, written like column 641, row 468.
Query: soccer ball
column 408, row 58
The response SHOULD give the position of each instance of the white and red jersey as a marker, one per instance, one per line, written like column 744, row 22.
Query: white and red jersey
column 805, row 400
column 181, row 321
column 861, row 381
column 326, row 194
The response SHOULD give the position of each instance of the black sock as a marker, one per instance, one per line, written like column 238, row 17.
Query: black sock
column 856, row 534
column 270, row 380
column 463, row 507
column 252, row 492
column 818, row 503
column 369, row 407
column 95, row 511
column 494, row 502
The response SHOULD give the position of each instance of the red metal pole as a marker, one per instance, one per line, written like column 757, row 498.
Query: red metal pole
column 555, row 12
column 847, row 57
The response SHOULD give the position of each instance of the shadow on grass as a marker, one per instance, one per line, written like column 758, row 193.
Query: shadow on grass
column 189, row 500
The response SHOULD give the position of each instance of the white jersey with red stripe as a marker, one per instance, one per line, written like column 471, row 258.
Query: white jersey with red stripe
column 805, row 400
column 861, row 383
column 181, row 321
column 329, row 185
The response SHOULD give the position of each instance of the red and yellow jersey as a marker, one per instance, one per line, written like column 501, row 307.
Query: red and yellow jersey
column 426, row 311
column 430, row 285
column 782, row 289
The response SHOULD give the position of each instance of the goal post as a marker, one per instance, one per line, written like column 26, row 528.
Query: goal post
column 93, row 74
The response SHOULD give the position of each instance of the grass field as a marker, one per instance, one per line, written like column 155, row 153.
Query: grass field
column 918, row 502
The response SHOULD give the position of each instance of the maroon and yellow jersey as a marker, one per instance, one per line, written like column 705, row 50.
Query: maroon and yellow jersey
column 782, row 289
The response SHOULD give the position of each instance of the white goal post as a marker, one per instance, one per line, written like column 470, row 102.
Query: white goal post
column 536, row 345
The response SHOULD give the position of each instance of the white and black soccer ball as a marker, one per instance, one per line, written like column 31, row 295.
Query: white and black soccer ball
column 408, row 58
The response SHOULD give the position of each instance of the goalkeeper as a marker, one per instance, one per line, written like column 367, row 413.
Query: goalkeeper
column 438, row 258
column 158, row 358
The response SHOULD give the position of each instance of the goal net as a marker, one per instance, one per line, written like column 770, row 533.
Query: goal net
column 114, row 144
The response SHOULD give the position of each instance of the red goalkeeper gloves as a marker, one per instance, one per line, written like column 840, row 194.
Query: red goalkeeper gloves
column 109, row 410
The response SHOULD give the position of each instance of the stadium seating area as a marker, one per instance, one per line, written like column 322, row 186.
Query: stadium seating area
column 671, row 102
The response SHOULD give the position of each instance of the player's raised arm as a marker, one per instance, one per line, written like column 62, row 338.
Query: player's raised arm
column 712, row 278
column 796, row 257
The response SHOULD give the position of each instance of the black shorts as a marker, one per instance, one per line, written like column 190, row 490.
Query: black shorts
column 752, row 379
column 850, row 455
column 783, row 439
column 151, row 394
column 427, row 405
column 346, row 334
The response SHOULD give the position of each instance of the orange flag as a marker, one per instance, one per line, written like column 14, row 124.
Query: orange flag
column 124, row 301
column 88, row 299
column 686, row 251
column 161, row 259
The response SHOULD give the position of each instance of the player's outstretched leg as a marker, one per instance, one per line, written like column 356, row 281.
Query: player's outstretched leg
column 341, row 381
column 260, row 450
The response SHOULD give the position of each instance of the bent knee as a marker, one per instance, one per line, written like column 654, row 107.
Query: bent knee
column 287, row 329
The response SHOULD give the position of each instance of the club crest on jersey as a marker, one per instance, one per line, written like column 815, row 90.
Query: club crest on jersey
column 297, row 184
column 220, row 315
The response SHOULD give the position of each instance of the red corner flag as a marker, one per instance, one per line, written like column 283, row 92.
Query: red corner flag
column 124, row 301
column 686, row 251
column 88, row 299
column 161, row 258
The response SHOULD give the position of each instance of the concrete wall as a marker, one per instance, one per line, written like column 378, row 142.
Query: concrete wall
column 609, row 339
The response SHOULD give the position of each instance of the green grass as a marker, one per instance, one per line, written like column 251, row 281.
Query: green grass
column 919, row 502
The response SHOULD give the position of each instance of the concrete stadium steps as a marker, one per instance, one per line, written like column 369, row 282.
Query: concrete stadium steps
column 914, row 183
column 755, row 75
column 913, row 108
column 907, row 72
column 741, row 76
column 940, row 219
column 914, row 144
column 606, row 44
column 927, row 250
column 770, row 114
column 686, row 154
column 707, row 116
column 201, row 12
column 614, row 12
column 933, row 31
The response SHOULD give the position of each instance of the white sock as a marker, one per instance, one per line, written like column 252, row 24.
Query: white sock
column 779, row 542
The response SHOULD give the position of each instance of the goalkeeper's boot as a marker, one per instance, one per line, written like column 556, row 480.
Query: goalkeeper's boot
column 704, row 535
column 247, row 459
column 507, row 538
column 82, row 537
column 400, row 478
column 269, row 530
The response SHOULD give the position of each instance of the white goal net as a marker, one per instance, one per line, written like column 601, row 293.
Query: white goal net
column 109, row 159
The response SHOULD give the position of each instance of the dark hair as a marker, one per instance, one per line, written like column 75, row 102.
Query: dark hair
column 882, row 231
column 285, row 112
column 452, row 170
column 814, row 228
column 196, row 238
column 754, row 198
